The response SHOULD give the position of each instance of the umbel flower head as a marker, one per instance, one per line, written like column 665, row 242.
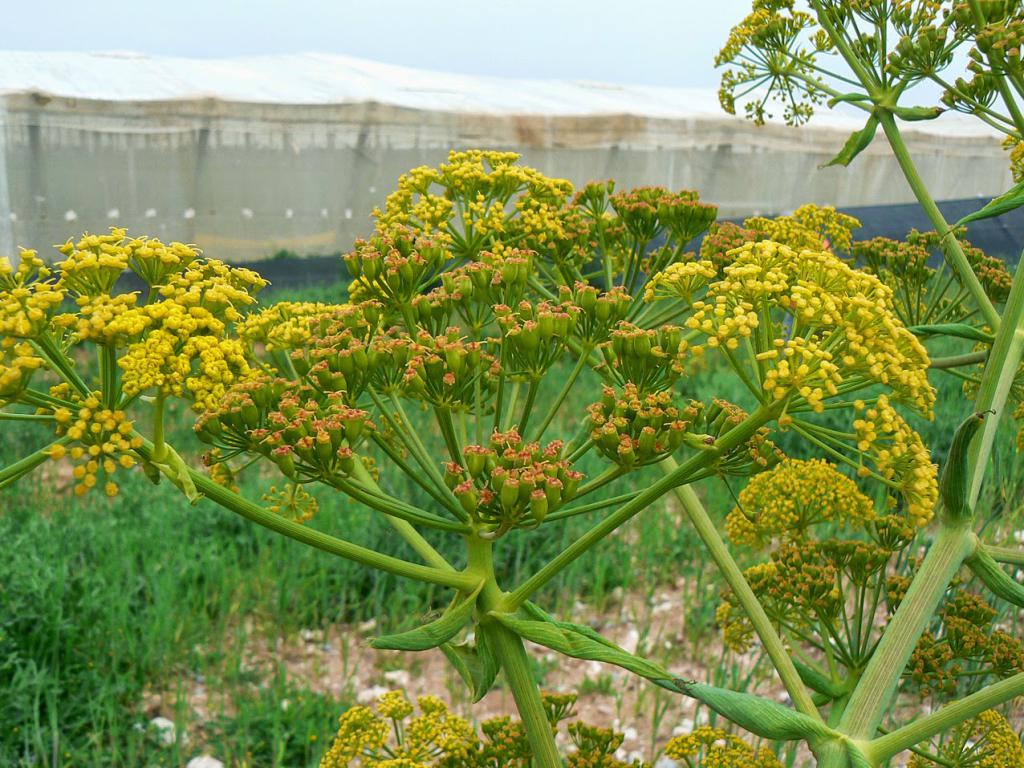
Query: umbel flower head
column 283, row 325
column 393, row 735
column 987, row 741
column 634, row 429
column 307, row 433
column 475, row 201
column 770, row 58
column 792, row 498
column 101, row 440
column 18, row 362
column 820, row 325
column 29, row 297
column 810, row 227
column 707, row 746
column 512, row 483
column 365, row 736
column 962, row 646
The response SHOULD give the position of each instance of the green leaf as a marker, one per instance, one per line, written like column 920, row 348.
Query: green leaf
column 476, row 664
column 857, row 143
column 584, row 643
column 437, row 632
column 997, row 206
column 956, row 472
column 912, row 114
column 763, row 717
column 151, row 472
column 539, row 614
column 960, row 330
column 985, row 567
column 177, row 472
column 818, row 682
column 759, row 716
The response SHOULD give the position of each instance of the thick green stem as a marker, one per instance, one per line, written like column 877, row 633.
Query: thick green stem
column 511, row 654
column 997, row 380
column 885, row 747
column 832, row 754
column 727, row 566
column 878, row 683
column 951, row 247
column 159, row 446
column 108, row 366
column 956, row 361
column 516, row 665
column 1006, row 555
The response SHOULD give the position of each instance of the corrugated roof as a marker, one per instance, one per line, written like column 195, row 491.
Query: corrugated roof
column 316, row 78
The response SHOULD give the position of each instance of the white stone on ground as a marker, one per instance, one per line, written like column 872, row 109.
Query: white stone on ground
column 166, row 730
column 370, row 695
column 397, row 677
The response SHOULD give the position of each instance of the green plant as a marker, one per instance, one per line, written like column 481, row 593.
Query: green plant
column 482, row 279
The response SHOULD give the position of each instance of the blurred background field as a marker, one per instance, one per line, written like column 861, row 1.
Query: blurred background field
column 117, row 612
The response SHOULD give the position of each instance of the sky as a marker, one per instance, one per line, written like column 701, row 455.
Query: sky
column 649, row 42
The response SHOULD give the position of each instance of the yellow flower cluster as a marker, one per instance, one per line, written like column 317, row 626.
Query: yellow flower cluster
column 681, row 280
column 18, row 361
column 810, row 227
column 284, row 325
column 1016, row 150
column 200, row 368
column 30, row 269
column 900, row 458
column 213, row 285
column 715, row 748
column 988, row 741
column 154, row 261
column 803, row 366
column 794, row 496
column 105, row 319
column 474, row 200
column 359, row 290
column 219, row 470
column 360, row 734
column 101, row 441
column 94, row 263
column 364, row 735
column 851, row 333
column 27, row 297
column 295, row 503
column 737, row 631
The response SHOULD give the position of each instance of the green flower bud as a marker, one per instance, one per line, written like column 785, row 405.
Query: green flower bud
column 538, row 505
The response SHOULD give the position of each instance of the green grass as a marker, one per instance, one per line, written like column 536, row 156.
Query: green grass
column 102, row 600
